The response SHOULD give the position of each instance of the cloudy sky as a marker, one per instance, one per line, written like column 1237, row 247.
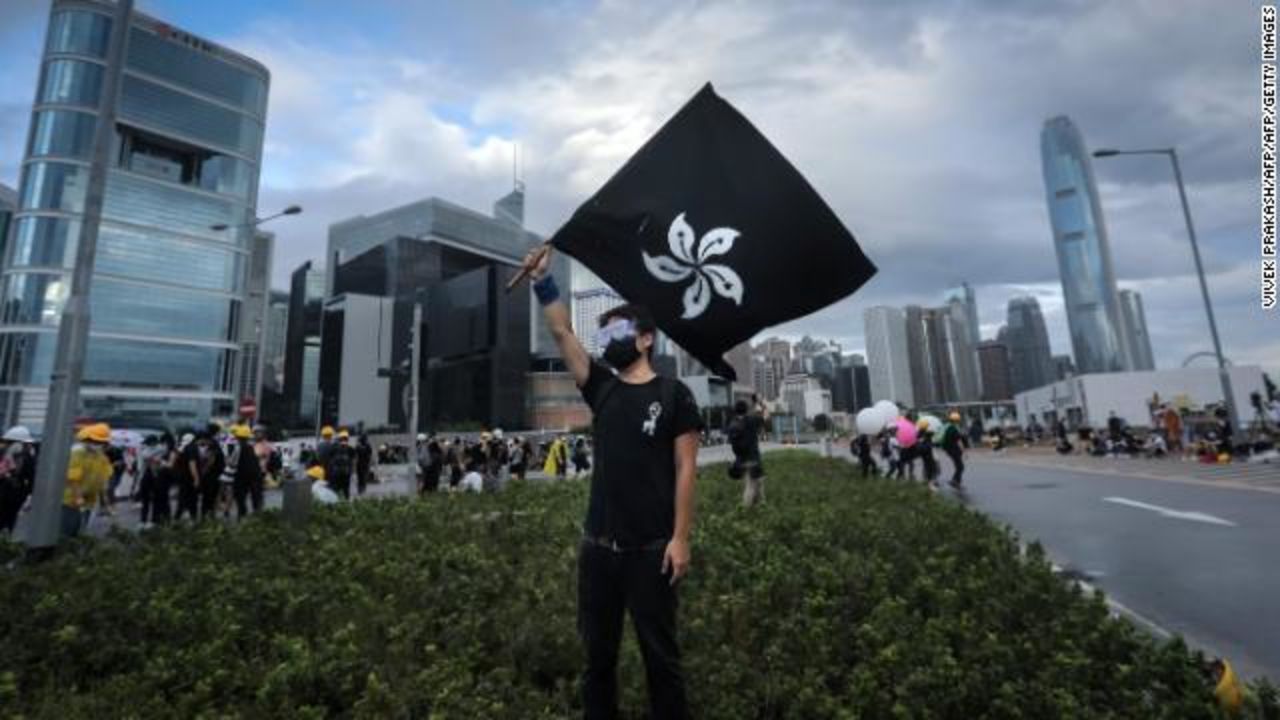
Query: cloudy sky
column 918, row 121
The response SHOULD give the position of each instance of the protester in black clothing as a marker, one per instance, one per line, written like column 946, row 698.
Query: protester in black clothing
column 581, row 459
column 454, row 458
column 247, row 471
column 184, row 478
column 144, row 487
column 744, row 439
column 205, row 462
column 861, row 449
column 17, row 475
column 341, row 463
column 640, row 509
column 364, row 463
column 1115, row 426
column 164, row 469
column 1223, row 430
column 975, row 433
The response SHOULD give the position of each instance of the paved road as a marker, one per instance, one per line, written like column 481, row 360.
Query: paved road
column 1191, row 557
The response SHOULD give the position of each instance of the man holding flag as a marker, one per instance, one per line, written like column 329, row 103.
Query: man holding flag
column 717, row 236
column 635, row 544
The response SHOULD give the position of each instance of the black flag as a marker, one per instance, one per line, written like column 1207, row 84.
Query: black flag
column 713, row 230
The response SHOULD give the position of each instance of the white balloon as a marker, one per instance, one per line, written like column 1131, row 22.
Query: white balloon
column 868, row 421
column 887, row 411
column 935, row 425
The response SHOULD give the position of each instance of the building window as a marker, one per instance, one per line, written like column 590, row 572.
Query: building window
column 45, row 242
column 71, row 82
column 184, row 164
column 54, row 186
column 64, row 133
column 80, row 32
column 34, row 299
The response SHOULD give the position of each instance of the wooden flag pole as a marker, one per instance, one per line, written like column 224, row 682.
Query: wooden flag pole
column 528, row 267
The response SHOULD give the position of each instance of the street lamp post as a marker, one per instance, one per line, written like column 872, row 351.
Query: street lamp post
column 1223, row 375
column 73, row 330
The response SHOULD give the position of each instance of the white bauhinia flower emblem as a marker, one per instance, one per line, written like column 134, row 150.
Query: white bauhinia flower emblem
column 691, row 259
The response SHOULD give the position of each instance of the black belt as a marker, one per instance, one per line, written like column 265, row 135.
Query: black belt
column 612, row 544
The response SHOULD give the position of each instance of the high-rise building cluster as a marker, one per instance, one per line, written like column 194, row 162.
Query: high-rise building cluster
column 810, row 377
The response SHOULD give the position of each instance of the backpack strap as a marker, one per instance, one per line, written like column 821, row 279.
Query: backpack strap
column 668, row 399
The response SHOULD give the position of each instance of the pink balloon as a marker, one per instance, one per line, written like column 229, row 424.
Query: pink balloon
column 906, row 432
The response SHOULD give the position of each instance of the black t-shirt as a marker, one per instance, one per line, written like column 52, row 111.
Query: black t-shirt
column 633, row 488
column 744, row 437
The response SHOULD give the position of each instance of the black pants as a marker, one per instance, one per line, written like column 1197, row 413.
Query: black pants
column 868, row 467
column 159, row 494
column 209, row 490
column 610, row 583
column 188, row 499
column 12, row 497
column 341, row 484
column 248, row 491
column 362, row 477
column 957, row 459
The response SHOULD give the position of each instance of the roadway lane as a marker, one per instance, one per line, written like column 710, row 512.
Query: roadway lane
column 1195, row 560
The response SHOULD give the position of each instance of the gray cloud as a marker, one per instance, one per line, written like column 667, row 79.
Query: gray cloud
column 918, row 121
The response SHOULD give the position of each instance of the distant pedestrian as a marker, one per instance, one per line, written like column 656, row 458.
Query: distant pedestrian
column 581, row 457
column 1224, row 430
column 453, row 460
column 247, row 472
column 924, row 451
column 88, row 474
column 205, row 462
column 364, row 463
column 340, row 466
column 519, row 459
column 975, row 432
column 188, row 495
column 17, row 475
column 860, row 448
column 744, row 440
column 953, row 445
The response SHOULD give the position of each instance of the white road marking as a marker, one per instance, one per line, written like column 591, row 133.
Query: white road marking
column 1171, row 513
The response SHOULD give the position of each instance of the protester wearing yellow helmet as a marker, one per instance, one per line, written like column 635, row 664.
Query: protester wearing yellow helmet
column 88, row 472
column 953, row 444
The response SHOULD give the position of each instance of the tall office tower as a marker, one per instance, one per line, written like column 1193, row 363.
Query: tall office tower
column 1084, row 253
column 253, row 325
column 1135, row 323
column 997, row 382
column 168, row 290
column 888, row 364
column 302, row 347
column 1025, row 335
column 964, row 307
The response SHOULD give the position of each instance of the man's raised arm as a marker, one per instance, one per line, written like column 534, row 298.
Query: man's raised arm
column 557, row 314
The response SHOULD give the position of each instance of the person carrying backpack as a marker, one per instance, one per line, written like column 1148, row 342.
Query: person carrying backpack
column 340, row 465
column 246, row 479
column 744, row 440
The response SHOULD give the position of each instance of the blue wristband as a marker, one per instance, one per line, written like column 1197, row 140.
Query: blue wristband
column 546, row 290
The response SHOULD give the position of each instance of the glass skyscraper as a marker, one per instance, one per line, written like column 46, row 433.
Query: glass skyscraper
column 1135, row 320
column 1084, row 255
column 168, row 291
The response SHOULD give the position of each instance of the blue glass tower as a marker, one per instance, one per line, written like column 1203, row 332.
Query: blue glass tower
column 168, row 291
column 1084, row 255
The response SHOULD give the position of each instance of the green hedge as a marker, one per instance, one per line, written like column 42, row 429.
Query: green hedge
column 839, row 598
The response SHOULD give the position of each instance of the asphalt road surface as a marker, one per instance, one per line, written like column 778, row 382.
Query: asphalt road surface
column 1188, row 556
